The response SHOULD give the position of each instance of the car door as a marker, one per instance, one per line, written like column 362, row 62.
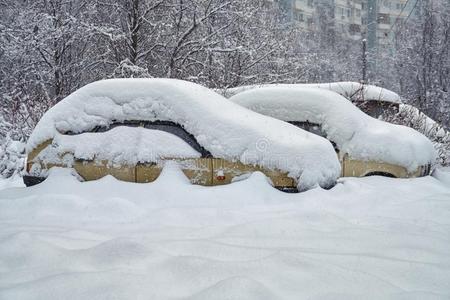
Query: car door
column 198, row 170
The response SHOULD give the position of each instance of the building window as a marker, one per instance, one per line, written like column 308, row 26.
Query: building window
column 384, row 19
column 310, row 3
column 354, row 29
column 299, row 16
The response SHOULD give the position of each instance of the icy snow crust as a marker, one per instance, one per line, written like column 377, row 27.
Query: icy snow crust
column 367, row 238
column 120, row 145
column 348, row 89
column 354, row 132
column 227, row 130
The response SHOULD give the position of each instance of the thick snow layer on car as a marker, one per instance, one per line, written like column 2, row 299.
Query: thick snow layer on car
column 227, row 130
column 367, row 238
column 120, row 145
column 354, row 132
column 348, row 89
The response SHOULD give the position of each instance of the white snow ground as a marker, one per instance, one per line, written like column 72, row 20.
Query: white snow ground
column 367, row 238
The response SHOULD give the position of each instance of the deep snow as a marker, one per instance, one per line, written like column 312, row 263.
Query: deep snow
column 367, row 238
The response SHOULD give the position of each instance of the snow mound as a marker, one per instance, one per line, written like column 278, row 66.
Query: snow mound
column 348, row 89
column 366, row 238
column 120, row 145
column 354, row 132
column 225, row 129
column 235, row 288
column 442, row 174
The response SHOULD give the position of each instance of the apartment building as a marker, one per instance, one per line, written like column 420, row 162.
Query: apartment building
column 350, row 17
column 391, row 13
column 303, row 13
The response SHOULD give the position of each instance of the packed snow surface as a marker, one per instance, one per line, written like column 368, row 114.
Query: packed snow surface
column 227, row 130
column 120, row 145
column 348, row 89
column 354, row 132
column 367, row 238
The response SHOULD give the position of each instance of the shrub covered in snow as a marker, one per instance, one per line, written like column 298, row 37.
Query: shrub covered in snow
column 12, row 155
column 225, row 129
column 410, row 116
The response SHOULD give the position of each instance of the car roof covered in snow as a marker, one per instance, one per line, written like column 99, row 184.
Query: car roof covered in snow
column 354, row 132
column 348, row 89
column 225, row 129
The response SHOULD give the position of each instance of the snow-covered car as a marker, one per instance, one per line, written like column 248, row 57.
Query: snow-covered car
column 373, row 100
column 353, row 91
column 129, row 128
column 365, row 146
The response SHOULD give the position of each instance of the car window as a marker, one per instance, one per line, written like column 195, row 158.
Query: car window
column 313, row 128
column 180, row 132
column 166, row 126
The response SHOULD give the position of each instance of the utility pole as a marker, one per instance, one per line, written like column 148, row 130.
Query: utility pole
column 364, row 61
column 372, row 26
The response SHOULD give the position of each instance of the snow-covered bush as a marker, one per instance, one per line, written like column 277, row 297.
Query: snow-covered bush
column 410, row 116
column 12, row 155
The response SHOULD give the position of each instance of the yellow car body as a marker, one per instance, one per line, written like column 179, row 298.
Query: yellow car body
column 206, row 171
column 360, row 168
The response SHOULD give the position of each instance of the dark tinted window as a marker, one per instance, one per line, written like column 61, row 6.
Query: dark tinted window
column 180, row 132
column 313, row 128
column 166, row 126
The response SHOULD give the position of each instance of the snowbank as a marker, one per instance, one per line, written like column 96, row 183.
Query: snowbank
column 354, row 132
column 350, row 90
column 442, row 174
column 225, row 129
column 367, row 238
column 120, row 145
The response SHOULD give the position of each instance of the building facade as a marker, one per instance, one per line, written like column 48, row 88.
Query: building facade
column 351, row 18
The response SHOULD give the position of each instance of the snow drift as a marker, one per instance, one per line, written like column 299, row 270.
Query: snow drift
column 354, row 132
column 227, row 130
column 348, row 89
column 367, row 238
